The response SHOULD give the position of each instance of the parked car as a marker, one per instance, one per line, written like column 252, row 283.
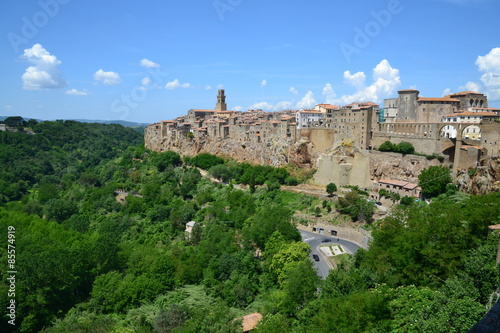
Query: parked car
column 315, row 257
column 326, row 240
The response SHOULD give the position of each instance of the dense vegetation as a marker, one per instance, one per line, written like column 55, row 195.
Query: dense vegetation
column 91, row 261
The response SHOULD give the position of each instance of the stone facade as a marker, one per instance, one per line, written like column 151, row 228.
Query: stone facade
column 338, row 140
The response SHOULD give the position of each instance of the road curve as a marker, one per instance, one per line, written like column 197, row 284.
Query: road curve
column 315, row 240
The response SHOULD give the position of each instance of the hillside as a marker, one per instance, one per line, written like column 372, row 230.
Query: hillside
column 90, row 261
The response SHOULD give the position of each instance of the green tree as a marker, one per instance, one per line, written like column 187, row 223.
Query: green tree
column 331, row 188
column 433, row 180
column 166, row 159
column 206, row 161
column 405, row 148
column 387, row 146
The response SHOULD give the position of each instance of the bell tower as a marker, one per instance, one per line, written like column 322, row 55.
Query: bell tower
column 221, row 101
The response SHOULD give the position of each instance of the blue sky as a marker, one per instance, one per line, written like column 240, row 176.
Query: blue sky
column 153, row 60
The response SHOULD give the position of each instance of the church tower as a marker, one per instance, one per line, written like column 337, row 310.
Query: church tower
column 221, row 101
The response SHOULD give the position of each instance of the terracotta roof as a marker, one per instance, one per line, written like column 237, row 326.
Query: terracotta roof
column 469, row 147
column 407, row 90
column 250, row 321
column 400, row 183
column 463, row 93
column 469, row 113
column 437, row 99
column 492, row 109
column 329, row 106
column 311, row 111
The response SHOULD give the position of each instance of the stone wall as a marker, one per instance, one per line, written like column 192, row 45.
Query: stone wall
column 344, row 170
column 321, row 139
column 356, row 235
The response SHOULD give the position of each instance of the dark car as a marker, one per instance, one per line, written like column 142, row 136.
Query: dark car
column 315, row 257
column 326, row 240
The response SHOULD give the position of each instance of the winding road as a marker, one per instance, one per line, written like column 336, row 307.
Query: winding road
column 315, row 240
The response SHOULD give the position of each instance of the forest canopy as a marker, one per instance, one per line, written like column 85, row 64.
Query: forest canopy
column 101, row 246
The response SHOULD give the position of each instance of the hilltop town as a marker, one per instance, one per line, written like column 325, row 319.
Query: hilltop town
column 342, row 141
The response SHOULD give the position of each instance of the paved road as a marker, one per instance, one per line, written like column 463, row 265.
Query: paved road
column 314, row 241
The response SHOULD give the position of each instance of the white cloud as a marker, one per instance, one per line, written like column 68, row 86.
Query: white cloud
column 262, row 106
column 146, row 81
column 220, row 86
column 76, row 92
column 44, row 74
column 489, row 66
column 307, row 101
column 470, row 86
column 149, row 63
column 355, row 80
column 176, row 84
column 386, row 79
column 207, row 87
column 263, row 83
column 446, row 92
column 489, row 62
column 238, row 108
column 329, row 93
column 108, row 78
column 293, row 91
column 285, row 105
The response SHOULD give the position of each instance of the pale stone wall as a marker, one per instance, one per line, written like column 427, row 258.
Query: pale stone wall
column 357, row 235
column 344, row 170
column 321, row 139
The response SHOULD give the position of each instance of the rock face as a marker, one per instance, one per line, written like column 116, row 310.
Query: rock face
column 339, row 165
column 398, row 166
column 481, row 180
column 272, row 151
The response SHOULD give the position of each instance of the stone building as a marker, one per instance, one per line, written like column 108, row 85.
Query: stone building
column 410, row 107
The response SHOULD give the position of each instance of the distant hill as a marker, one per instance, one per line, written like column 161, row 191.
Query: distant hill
column 121, row 122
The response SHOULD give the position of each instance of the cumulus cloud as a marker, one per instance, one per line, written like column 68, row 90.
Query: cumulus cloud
column 386, row 80
column 355, row 80
column 307, row 101
column 284, row 105
column 238, row 108
column 293, row 91
column 329, row 93
column 470, row 86
column 262, row 106
column 207, row 87
column 149, row 64
column 446, row 92
column 107, row 78
column 76, row 92
column 177, row 84
column 489, row 67
column 44, row 72
column 489, row 62
column 263, row 83
column 146, row 81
